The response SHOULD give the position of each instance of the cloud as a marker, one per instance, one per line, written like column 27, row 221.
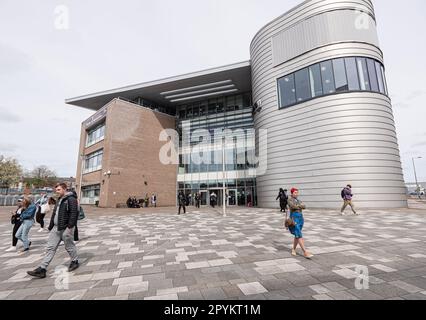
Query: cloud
column 419, row 144
column 7, row 148
column 13, row 61
column 7, row 116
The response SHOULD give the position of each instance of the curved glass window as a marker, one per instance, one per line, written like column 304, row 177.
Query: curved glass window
column 331, row 77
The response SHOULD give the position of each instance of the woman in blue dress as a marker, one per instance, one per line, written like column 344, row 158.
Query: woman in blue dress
column 296, row 213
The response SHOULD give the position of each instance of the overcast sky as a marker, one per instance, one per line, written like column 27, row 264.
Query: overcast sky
column 111, row 44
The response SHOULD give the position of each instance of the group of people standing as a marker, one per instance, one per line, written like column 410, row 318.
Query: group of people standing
column 132, row 202
column 296, row 221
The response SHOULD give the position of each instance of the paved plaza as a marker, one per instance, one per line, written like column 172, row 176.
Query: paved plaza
column 156, row 254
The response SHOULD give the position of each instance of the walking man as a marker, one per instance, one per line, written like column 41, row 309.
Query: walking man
column 182, row 202
column 347, row 199
column 62, row 224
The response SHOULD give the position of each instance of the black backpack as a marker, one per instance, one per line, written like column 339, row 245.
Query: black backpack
column 343, row 194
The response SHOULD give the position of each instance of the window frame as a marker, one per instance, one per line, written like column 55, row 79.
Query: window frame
column 360, row 90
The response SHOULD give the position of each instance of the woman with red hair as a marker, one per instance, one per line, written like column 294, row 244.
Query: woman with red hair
column 296, row 208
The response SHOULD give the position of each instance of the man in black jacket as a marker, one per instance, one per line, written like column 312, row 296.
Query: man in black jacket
column 182, row 202
column 62, row 224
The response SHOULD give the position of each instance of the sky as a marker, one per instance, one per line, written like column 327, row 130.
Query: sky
column 109, row 44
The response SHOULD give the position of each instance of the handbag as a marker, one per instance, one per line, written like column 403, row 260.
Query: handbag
column 289, row 222
column 44, row 208
column 81, row 214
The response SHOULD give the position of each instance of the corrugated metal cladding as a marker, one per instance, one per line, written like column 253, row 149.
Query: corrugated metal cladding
column 323, row 144
column 323, row 29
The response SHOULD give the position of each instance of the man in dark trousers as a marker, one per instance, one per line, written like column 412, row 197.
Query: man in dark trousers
column 182, row 202
column 62, row 224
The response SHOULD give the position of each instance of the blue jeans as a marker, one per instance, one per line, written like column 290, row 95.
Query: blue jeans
column 22, row 233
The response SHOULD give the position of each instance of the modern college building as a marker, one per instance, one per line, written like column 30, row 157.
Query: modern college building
column 315, row 84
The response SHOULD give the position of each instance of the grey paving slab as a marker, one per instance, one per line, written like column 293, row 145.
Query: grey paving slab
column 246, row 255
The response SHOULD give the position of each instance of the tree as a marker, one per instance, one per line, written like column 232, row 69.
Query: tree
column 40, row 177
column 10, row 172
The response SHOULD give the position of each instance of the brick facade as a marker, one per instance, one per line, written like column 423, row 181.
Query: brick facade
column 131, row 153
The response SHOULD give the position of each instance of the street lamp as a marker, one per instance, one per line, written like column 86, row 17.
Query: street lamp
column 415, row 176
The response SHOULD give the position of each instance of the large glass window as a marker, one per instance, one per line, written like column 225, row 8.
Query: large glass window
column 340, row 75
column 380, row 77
column 93, row 162
column 372, row 75
column 327, row 77
column 315, row 80
column 363, row 74
column 95, row 135
column 352, row 73
column 332, row 76
column 303, row 90
column 90, row 194
column 287, row 90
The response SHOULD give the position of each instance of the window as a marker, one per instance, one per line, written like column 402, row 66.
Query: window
column 363, row 74
column 90, row 194
column 331, row 76
column 372, row 75
column 380, row 77
column 287, row 90
column 352, row 73
column 303, row 90
column 95, row 135
column 340, row 75
column 327, row 77
column 315, row 79
column 93, row 162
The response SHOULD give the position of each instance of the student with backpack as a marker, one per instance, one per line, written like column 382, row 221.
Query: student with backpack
column 347, row 196
column 27, row 221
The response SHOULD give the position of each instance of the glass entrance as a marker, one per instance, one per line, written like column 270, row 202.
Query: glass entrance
column 204, row 198
column 232, row 197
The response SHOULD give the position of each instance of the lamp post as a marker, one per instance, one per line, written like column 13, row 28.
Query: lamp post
column 81, row 175
column 224, row 198
column 415, row 176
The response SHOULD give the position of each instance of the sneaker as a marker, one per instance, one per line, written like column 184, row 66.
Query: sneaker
column 74, row 265
column 293, row 253
column 38, row 273
column 30, row 244
column 308, row 255
column 40, row 230
column 11, row 249
column 25, row 250
column 356, row 213
column 342, row 213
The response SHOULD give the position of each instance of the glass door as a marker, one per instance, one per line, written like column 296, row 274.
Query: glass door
column 204, row 198
column 232, row 197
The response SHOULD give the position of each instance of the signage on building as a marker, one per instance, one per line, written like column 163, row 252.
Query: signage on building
column 98, row 116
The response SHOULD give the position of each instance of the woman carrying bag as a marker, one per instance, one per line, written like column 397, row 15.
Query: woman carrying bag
column 295, row 223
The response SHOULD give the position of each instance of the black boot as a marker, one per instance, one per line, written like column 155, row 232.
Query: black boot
column 38, row 273
column 74, row 265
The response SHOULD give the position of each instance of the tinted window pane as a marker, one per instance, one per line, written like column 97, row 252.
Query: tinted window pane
column 315, row 79
column 384, row 80
column 287, row 90
column 380, row 77
column 303, row 89
column 372, row 74
column 352, row 73
column 327, row 77
column 340, row 75
column 363, row 74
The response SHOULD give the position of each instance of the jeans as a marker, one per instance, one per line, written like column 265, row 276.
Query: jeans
column 55, row 238
column 22, row 233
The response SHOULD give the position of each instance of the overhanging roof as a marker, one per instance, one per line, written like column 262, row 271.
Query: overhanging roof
column 230, row 79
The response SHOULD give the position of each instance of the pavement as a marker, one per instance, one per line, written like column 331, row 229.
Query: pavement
column 154, row 254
